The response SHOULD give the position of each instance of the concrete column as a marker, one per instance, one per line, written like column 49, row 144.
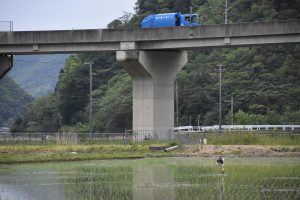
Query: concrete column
column 153, row 74
column 5, row 64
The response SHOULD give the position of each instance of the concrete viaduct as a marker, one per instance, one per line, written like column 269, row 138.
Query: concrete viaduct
column 152, row 57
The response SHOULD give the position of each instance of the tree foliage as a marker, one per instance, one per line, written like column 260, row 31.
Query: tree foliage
column 40, row 116
column 115, row 107
column 13, row 99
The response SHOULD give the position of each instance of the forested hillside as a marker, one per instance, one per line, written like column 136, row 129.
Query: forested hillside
column 263, row 81
column 37, row 74
column 13, row 100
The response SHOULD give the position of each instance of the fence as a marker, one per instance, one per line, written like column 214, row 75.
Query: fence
column 144, row 135
column 229, row 137
column 65, row 138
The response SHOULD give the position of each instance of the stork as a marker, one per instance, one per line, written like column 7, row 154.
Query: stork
column 220, row 161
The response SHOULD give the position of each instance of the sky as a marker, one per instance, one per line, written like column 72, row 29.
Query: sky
column 30, row 15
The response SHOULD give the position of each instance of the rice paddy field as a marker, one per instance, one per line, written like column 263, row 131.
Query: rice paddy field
column 154, row 178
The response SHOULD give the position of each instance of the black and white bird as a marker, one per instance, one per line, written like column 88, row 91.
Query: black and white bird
column 220, row 161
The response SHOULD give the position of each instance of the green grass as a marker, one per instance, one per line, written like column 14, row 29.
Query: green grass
column 255, row 178
column 44, row 153
column 21, row 153
column 250, row 138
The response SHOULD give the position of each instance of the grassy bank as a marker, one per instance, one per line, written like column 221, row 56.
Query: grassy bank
column 10, row 154
column 43, row 153
column 253, row 138
column 226, row 143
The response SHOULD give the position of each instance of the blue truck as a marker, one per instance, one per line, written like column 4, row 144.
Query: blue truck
column 170, row 20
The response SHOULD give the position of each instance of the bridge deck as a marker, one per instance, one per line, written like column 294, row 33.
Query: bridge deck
column 209, row 36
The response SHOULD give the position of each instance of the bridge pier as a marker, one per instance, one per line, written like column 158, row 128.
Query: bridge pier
column 153, row 74
column 6, row 63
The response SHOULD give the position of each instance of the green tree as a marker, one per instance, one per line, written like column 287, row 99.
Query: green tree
column 72, row 91
column 40, row 116
column 13, row 100
column 242, row 118
column 115, row 107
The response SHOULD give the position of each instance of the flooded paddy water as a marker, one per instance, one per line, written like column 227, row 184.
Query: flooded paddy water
column 154, row 178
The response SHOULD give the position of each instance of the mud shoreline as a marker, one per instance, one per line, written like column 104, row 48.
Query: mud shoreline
column 241, row 150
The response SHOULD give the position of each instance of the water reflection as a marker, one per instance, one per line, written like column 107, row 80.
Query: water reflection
column 221, row 187
column 153, row 182
column 167, row 179
column 30, row 186
column 100, row 183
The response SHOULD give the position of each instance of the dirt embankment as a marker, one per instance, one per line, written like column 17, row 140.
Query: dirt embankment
column 241, row 150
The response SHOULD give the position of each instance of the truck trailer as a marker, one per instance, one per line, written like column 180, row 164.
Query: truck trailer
column 170, row 20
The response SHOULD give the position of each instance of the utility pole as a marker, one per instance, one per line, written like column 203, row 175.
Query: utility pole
column 198, row 122
column 191, row 11
column 176, row 96
column 231, row 110
column 220, row 69
column 226, row 12
column 91, row 88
